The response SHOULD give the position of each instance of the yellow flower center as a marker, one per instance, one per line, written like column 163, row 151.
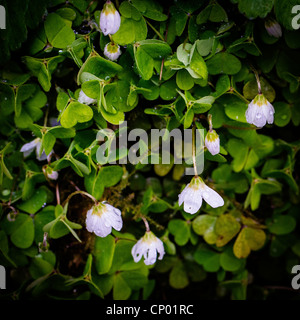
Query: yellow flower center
column 99, row 209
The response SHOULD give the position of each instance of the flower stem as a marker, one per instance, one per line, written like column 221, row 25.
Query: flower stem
column 240, row 96
column 152, row 27
column 209, row 119
column 146, row 224
column 194, row 149
column 46, row 117
column 57, row 194
column 257, row 80
column 80, row 192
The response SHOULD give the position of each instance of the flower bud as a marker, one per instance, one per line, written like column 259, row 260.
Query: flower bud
column 273, row 28
column 50, row 173
column 112, row 51
column 212, row 142
column 110, row 19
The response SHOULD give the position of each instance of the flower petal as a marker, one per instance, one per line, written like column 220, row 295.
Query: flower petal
column 269, row 111
column 212, row 197
column 150, row 255
column 138, row 250
column 192, row 201
column 27, row 148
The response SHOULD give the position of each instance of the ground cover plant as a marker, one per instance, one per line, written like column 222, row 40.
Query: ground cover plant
column 78, row 221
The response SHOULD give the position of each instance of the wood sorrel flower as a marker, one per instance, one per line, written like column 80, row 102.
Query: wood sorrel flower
column 148, row 246
column 112, row 51
column 101, row 218
column 273, row 28
column 260, row 111
column 36, row 144
column 193, row 194
column 110, row 19
column 212, row 142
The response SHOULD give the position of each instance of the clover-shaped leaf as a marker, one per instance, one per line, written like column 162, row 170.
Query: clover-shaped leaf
column 204, row 225
column 247, row 240
column 226, row 228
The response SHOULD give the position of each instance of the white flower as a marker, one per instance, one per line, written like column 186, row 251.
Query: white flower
column 148, row 246
column 101, row 218
column 273, row 28
column 260, row 111
column 30, row 146
column 212, row 142
column 83, row 98
column 193, row 194
column 51, row 174
column 110, row 19
column 112, row 51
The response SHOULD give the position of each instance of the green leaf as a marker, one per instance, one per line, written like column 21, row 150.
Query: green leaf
column 281, row 224
column 129, row 11
column 213, row 12
column 117, row 96
column 255, row 8
column 283, row 11
column 42, row 264
column 226, row 228
column 229, row 262
column 22, row 231
column 283, row 114
column 144, row 63
column 121, row 290
column 222, row 86
column 59, row 34
column 20, row 17
column 130, row 31
column 35, row 203
column 48, row 142
column 150, row 9
column 218, row 14
column 40, row 220
column 178, row 278
column 223, row 63
column 239, row 151
column 136, row 279
column 104, row 251
column 204, row 46
column 183, row 53
column 116, row 118
column 179, row 18
column 210, row 260
column 184, row 80
column 168, row 90
column 62, row 133
column 110, row 175
column 197, row 64
column 94, row 185
column 204, row 225
column 181, row 231
column 76, row 112
column 96, row 66
column 189, row 118
column 157, row 49
column 248, row 239
column 43, row 69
